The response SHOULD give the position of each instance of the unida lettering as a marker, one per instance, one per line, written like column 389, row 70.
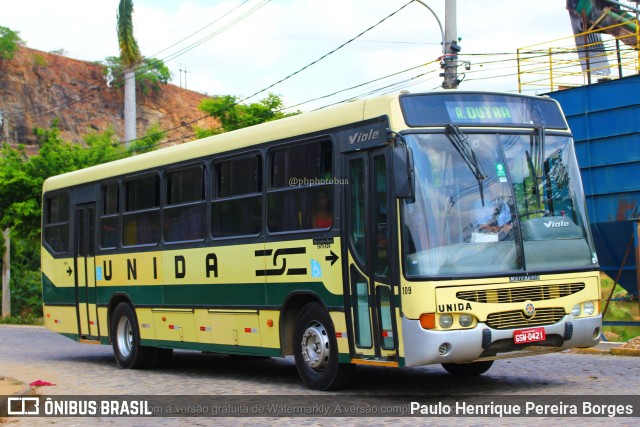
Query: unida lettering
column 460, row 306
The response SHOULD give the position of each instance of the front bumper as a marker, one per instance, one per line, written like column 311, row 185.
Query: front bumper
column 425, row 347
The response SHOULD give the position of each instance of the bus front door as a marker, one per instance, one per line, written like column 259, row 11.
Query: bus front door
column 85, row 270
column 369, row 214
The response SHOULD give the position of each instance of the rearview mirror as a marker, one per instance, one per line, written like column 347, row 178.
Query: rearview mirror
column 403, row 172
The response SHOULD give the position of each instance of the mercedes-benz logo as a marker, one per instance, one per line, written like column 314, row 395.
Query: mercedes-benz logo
column 529, row 309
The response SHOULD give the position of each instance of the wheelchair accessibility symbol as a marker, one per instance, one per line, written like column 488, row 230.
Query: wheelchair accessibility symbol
column 316, row 270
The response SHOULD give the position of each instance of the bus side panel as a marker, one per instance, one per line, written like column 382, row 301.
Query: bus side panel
column 196, row 298
column 61, row 319
column 145, row 323
column 176, row 325
column 342, row 336
column 233, row 328
column 269, row 322
column 58, row 295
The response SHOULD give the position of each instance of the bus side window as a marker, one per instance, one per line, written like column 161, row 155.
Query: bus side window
column 300, row 196
column 141, row 220
column 109, row 224
column 56, row 222
column 236, row 209
column 185, row 211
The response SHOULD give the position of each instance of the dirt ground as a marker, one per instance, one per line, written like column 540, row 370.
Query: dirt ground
column 633, row 344
column 9, row 386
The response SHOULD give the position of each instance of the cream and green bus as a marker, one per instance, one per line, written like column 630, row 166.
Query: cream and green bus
column 435, row 228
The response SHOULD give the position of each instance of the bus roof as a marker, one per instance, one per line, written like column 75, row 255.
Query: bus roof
column 302, row 124
column 299, row 125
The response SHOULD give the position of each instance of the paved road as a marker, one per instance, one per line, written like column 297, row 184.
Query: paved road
column 32, row 353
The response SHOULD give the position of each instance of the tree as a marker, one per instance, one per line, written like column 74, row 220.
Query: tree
column 154, row 73
column 9, row 42
column 149, row 76
column 149, row 142
column 21, row 179
column 130, row 55
column 233, row 115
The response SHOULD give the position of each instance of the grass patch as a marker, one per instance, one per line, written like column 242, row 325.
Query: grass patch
column 622, row 308
column 22, row 320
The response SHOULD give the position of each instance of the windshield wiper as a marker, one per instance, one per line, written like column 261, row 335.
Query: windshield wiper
column 536, row 170
column 540, row 152
column 461, row 144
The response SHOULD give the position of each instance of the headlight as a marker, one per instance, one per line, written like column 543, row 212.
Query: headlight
column 446, row 320
column 575, row 311
column 589, row 308
column 465, row 320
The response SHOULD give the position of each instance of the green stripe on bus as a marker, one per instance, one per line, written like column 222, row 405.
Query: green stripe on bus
column 233, row 294
column 51, row 294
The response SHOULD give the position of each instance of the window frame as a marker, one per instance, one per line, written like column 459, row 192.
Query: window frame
column 127, row 213
column 117, row 215
column 325, row 141
column 258, row 194
column 47, row 224
column 166, row 207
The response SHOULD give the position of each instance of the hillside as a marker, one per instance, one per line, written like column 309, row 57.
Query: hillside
column 36, row 87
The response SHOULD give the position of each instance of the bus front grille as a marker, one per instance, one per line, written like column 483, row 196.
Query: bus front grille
column 516, row 294
column 517, row 318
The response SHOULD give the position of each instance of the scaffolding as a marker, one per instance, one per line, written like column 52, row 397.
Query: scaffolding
column 602, row 54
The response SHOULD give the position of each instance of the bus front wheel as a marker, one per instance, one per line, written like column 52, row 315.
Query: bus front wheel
column 316, row 350
column 468, row 369
column 125, row 338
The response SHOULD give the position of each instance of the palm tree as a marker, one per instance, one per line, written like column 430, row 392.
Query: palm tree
column 130, row 55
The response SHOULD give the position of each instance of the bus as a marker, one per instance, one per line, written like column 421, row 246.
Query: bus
column 446, row 227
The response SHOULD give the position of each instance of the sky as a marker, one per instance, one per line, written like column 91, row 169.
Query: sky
column 245, row 47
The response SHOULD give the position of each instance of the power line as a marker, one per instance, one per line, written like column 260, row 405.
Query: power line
column 203, row 28
column 292, row 74
column 410, row 81
column 329, row 53
column 352, row 87
column 98, row 86
column 215, row 33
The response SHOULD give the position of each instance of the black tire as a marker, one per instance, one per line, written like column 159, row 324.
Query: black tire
column 468, row 369
column 316, row 350
column 125, row 338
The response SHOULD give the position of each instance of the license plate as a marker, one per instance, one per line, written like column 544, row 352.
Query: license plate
column 524, row 336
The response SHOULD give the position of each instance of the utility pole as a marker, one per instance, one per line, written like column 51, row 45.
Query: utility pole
column 185, row 76
column 6, row 275
column 451, row 47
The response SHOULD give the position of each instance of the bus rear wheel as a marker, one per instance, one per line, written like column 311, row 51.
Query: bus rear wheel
column 125, row 338
column 468, row 369
column 316, row 350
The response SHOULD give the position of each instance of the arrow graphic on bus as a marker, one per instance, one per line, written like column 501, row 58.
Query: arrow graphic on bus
column 69, row 271
column 333, row 257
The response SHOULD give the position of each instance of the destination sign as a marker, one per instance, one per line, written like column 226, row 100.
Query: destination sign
column 483, row 112
column 481, row 109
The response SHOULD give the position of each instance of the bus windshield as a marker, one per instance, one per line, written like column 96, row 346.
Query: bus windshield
column 493, row 203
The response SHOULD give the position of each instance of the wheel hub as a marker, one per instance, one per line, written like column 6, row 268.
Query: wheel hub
column 315, row 347
column 124, row 337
